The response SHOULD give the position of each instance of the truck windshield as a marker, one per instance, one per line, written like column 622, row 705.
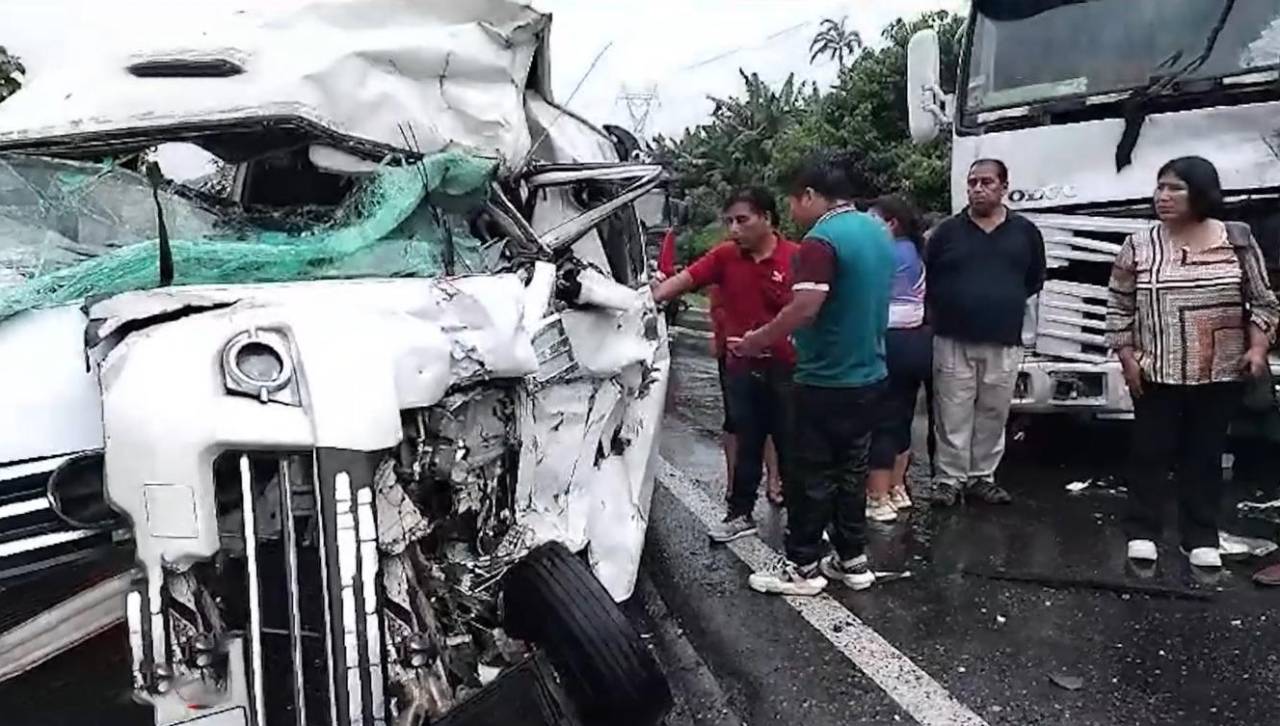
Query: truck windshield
column 55, row 214
column 70, row 230
column 1106, row 46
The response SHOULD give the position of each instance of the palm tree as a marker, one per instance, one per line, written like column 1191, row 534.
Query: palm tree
column 835, row 41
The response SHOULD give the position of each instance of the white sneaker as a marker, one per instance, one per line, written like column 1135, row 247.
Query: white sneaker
column 855, row 573
column 787, row 578
column 1143, row 549
column 899, row 499
column 732, row 528
column 881, row 510
column 1205, row 557
column 1229, row 545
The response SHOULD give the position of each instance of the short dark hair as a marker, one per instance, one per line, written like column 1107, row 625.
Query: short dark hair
column 1002, row 169
column 758, row 198
column 1204, row 186
column 897, row 209
column 831, row 174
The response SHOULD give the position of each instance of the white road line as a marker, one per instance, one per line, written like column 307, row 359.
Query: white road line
column 914, row 690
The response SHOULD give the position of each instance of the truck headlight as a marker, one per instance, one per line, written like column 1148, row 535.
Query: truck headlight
column 257, row 363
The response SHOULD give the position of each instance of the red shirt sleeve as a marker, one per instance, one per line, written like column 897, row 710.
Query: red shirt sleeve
column 814, row 267
column 667, row 254
column 709, row 268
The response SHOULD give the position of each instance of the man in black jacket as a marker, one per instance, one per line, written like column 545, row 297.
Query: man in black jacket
column 983, row 265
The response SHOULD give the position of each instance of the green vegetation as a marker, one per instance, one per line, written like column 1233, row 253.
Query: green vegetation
column 756, row 136
column 11, row 73
column 836, row 42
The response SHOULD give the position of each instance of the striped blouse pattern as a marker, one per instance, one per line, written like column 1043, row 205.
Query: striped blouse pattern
column 1186, row 312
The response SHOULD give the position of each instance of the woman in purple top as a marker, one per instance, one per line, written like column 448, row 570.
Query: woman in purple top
column 909, row 355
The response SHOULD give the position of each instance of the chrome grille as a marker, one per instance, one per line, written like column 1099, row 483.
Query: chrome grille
column 32, row 537
column 310, row 589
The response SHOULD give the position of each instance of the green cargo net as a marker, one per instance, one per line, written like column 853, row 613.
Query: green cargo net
column 69, row 231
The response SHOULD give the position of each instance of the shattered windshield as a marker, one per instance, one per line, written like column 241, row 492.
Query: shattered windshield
column 69, row 230
column 1105, row 46
column 55, row 214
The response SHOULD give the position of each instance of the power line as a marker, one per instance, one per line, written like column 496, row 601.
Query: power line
column 640, row 107
column 733, row 51
column 769, row 39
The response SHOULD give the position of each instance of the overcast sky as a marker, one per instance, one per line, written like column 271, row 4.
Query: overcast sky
column 686, row 50
column 681, row 51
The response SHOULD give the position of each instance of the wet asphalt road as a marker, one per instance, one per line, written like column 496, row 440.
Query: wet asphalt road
column 1194, row 652
column 1197, row 653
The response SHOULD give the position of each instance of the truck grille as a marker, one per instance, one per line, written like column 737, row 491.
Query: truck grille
column 32, row 537
column 311, row 612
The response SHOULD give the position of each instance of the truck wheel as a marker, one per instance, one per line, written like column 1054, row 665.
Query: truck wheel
column 552, row 599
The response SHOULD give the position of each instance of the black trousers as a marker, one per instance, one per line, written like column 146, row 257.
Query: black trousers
column 758, row 394
column 827, row 486
column 1183, row 428
column 909, row 355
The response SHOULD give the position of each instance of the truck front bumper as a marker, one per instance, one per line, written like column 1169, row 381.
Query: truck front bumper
column 1058, row 386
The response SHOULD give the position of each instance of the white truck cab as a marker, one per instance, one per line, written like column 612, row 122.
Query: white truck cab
column 1084, row 100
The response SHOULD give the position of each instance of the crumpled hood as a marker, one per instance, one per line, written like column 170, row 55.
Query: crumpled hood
column 423, row 75
column 50, row 393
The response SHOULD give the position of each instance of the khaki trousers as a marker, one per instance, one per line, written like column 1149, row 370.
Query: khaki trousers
column 973, row 389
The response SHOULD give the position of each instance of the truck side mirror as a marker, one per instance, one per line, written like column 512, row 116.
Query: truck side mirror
column 927, row 106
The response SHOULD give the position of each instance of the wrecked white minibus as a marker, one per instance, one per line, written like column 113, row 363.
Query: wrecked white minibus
column 359, row 427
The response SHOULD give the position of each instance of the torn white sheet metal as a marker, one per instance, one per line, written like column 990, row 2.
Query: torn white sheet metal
column 399, row 521
column 586, row 467
column 363, row 350
column 561, row 136
column 423, row 75
column 607, row 343
column 600, row 290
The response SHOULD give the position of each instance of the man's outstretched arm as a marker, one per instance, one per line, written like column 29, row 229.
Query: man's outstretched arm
column 813, row 271
column 799, row 313
column 673, row 287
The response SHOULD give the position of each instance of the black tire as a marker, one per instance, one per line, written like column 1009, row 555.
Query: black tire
column 552, row 599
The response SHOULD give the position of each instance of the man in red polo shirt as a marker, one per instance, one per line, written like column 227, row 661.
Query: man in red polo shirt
column 753, row 272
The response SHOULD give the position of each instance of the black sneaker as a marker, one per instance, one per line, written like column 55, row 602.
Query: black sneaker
column 734, row 527
column 945, row 495
column 986, row 490
column 855, row 573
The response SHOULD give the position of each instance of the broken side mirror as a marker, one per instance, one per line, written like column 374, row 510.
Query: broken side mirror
column 928, row 108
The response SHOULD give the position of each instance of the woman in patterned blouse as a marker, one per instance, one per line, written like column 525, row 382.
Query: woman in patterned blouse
column 1190, row 316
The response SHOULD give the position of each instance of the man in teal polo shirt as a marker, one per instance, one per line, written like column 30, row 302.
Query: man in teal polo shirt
column 842, row 276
